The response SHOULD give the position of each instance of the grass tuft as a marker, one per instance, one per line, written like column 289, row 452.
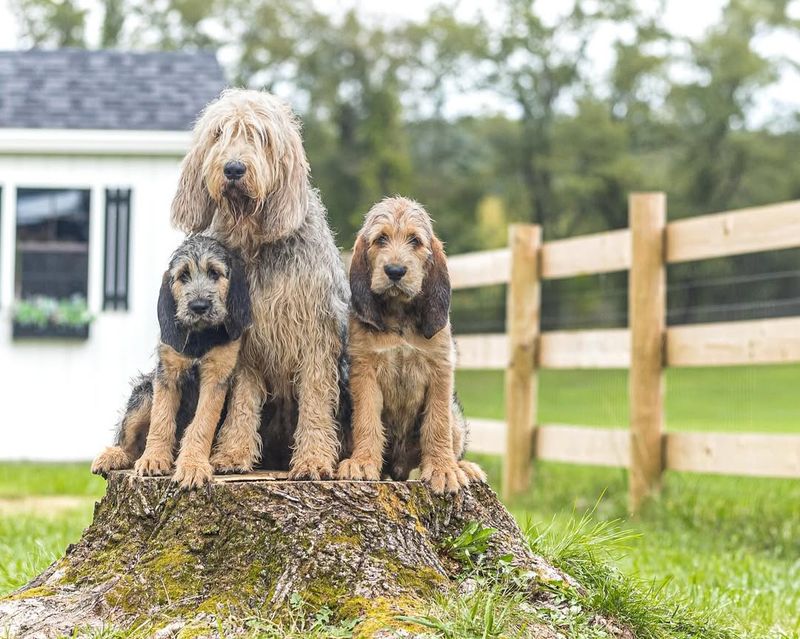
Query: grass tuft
column 586, row 548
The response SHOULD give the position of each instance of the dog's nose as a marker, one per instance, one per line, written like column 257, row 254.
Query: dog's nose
column 395, row 271
column 199, row 306
column 234, row 169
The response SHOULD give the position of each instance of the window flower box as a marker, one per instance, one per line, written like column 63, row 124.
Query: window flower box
column 49, row 331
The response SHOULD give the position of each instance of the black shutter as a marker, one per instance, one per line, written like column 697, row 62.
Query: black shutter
column 117, row 245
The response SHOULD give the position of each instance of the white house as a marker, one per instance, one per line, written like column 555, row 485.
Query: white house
column 90, row 143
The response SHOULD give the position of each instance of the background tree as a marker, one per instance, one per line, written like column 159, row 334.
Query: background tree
column 51, row 23
column 491, row 119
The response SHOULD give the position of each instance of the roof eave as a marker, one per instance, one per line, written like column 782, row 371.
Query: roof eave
column 93, row 142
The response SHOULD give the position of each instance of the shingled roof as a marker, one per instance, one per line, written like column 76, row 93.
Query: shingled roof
column 79, row 89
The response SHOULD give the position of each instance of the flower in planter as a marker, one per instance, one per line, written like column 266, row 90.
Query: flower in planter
column 72, row 312
column 46, row 311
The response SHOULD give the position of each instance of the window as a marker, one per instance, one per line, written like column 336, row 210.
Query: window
column 52, row 243
column 117, row 242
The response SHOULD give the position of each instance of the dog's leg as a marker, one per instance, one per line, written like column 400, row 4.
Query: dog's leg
column 439, row 466
column 369, row 439
column 159, row 449
column 316, row 444
column 193, row 468
column 238, row 446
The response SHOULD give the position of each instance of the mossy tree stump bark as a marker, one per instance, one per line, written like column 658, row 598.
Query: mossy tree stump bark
column 155, row 557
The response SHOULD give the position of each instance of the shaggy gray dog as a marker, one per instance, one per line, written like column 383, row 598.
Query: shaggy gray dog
column 245, row 181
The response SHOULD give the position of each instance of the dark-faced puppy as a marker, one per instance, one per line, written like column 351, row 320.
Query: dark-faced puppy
column 402, row 357
column 203, row 309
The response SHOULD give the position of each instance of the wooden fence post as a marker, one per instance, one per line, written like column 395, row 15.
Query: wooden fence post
column 647, row 319
column 522, row 326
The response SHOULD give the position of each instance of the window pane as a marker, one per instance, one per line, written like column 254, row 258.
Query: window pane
column 52, row 242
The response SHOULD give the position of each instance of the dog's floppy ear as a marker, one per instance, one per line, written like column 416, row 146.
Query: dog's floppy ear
column 365, row 302
column 433, row 302
column 287, row 204
column 238, row 299
column 171, row 333
column 192, row 206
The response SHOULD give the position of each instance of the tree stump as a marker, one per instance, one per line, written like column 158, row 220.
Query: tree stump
column 247, row 544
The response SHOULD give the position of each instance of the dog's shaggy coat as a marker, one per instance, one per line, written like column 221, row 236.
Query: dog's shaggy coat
column 245, row 181
column 203, row 309
column 402, row 357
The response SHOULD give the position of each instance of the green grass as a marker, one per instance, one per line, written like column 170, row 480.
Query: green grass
column 726, row 544
column 23, row 479
column 736, row 399
column 29, row 542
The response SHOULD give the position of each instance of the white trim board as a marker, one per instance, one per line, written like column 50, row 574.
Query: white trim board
column 93, row 142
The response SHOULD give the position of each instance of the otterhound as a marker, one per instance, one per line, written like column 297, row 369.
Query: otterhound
column 405, row 413
column 203, row 309
column 246, row 179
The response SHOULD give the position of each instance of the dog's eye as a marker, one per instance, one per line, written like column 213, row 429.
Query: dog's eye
column 414, row 241
column 184, row 277
column 382, row 239
column 217, row 134
column 214, row 274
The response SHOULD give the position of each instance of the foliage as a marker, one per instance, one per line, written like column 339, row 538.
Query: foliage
column 495, row 603
column 303, row 621
column 47, row 311
column 470, row 545
column 494, row 119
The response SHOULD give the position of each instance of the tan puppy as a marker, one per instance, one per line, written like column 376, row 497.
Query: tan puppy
column 405, row 413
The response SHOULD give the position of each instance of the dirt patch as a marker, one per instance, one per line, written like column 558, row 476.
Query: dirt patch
column 53, row 505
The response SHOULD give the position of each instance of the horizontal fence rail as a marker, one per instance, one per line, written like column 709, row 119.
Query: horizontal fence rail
column 754, row 455
column 484, row 268
column 587, row 255
column 602, row 348
column 764, row 228
column 646, row 350
column 767, row 341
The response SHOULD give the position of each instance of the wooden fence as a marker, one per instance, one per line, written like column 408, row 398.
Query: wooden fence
column 646, row 347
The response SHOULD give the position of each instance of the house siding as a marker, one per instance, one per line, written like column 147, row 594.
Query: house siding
column 61, row 400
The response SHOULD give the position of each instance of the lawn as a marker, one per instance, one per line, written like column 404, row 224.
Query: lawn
column 726, row 543
column 743, row 398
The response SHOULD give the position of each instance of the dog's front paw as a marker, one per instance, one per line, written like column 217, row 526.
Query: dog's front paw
column 224, row 462
column 310, row 469
column 358, row 469
column 112, row 458
column 443, row 477
column 192, row 474
column 151, row 464
column 473, row 472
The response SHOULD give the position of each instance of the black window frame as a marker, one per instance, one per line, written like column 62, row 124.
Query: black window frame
column 23, row 190
column 117, row 249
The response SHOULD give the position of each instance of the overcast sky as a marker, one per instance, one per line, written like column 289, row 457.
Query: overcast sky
column 683, row 17
column 688, row 17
